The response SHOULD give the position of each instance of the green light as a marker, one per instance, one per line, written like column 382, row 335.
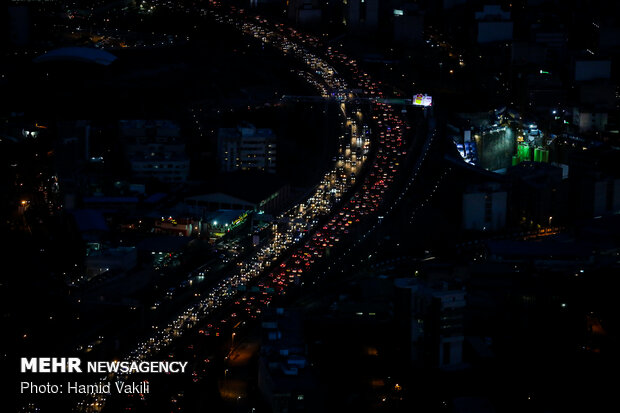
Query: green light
column 543, row 72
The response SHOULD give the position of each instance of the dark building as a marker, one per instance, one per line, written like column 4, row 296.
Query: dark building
column 432, row 319
column 539, row 194
column 408, row 24
column 19, row 25
column 595, row 183
column 285, row 379
column 362, row 16
column 305, row 12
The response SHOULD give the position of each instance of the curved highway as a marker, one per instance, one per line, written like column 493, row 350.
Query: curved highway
column 349, row 195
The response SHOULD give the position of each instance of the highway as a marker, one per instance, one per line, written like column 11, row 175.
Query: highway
column 348, row 198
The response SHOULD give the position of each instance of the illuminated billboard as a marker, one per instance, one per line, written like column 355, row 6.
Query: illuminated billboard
column 422, row 100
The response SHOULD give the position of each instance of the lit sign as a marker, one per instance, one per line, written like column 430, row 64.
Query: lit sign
column 422, row 100
column 240, row 219
column 398, row 12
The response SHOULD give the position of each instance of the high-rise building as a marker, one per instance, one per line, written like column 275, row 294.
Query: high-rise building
column 155, row 150
column 408, row 24
column 539, row 193
column 484, row 207
column 362, row 16
column 246, row 147
column 433, row 320
column 19, row 25
column 304, row 12
column 285, row 378
column 595, row 184
column 494, row 25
